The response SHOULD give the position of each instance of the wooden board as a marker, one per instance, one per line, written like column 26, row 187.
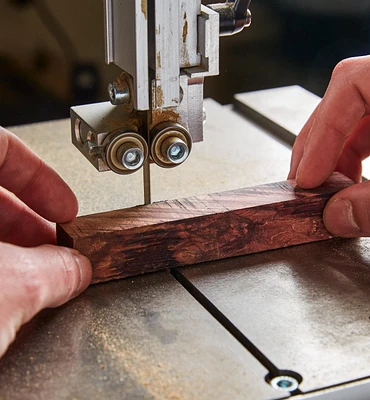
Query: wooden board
column 183, row 232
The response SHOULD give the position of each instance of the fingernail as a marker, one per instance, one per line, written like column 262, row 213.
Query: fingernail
column 339, row 218
column 84, row 266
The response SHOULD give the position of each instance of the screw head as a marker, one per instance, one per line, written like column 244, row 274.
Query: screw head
column 112, row 93
column 133, row 158
column 119, row 94
column 287, row 383
column 204, row 115
column 177, row 152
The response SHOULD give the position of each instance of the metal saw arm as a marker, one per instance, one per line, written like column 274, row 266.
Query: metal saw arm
column 165, row 49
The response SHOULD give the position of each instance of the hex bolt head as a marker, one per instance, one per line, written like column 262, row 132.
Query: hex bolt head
column 132, row 158
column 287, row 383
column 175, row 150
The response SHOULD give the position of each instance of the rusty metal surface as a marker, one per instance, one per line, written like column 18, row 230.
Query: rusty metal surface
column 307, row 308
column 143, row 338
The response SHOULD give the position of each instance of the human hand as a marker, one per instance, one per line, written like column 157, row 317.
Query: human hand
column 34, row 274
column 337, row 138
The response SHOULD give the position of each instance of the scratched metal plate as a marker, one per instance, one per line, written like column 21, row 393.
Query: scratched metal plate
column 307, row 308
column 143, row 338
column 277, row 116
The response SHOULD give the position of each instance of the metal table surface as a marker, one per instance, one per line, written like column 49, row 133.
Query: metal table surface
column 143, row 338
column 272, row 109
column 205, row 332
column 306, row 308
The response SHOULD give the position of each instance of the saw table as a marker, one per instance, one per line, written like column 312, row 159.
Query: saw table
column 222, row 331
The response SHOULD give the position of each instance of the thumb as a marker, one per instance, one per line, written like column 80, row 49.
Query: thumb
column 40, row 277
column 347, row 213
column 63, row 274
column 35, row 278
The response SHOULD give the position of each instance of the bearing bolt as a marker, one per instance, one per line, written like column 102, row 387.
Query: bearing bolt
column 175, row 150
column 132, row 158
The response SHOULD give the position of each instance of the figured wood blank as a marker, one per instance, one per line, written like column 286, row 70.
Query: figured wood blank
column 183, row 232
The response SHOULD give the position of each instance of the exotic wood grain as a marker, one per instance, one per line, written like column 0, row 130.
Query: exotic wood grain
column 183, row 232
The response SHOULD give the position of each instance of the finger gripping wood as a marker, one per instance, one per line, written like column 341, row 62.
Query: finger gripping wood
column 182, row 232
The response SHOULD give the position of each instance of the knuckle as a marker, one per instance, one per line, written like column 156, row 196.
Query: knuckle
column 69, row 267
column 333, row 129
column 48, row 284
column 32, row 283
column 35, row 174
column 343, row 68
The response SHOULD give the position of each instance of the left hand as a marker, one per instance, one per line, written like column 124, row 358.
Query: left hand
column 34, row 274
column 31, row 195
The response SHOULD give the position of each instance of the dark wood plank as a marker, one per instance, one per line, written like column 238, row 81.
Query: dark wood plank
column 183, row 232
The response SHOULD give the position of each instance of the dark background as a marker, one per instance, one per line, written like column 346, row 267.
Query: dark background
column 52, row 52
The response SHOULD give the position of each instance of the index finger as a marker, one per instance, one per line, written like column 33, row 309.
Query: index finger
column 345, row 102
column 35, row 183
column 298, row 148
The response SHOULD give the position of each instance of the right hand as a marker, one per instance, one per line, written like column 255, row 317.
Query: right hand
column 337, row 138
column 34, row 273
